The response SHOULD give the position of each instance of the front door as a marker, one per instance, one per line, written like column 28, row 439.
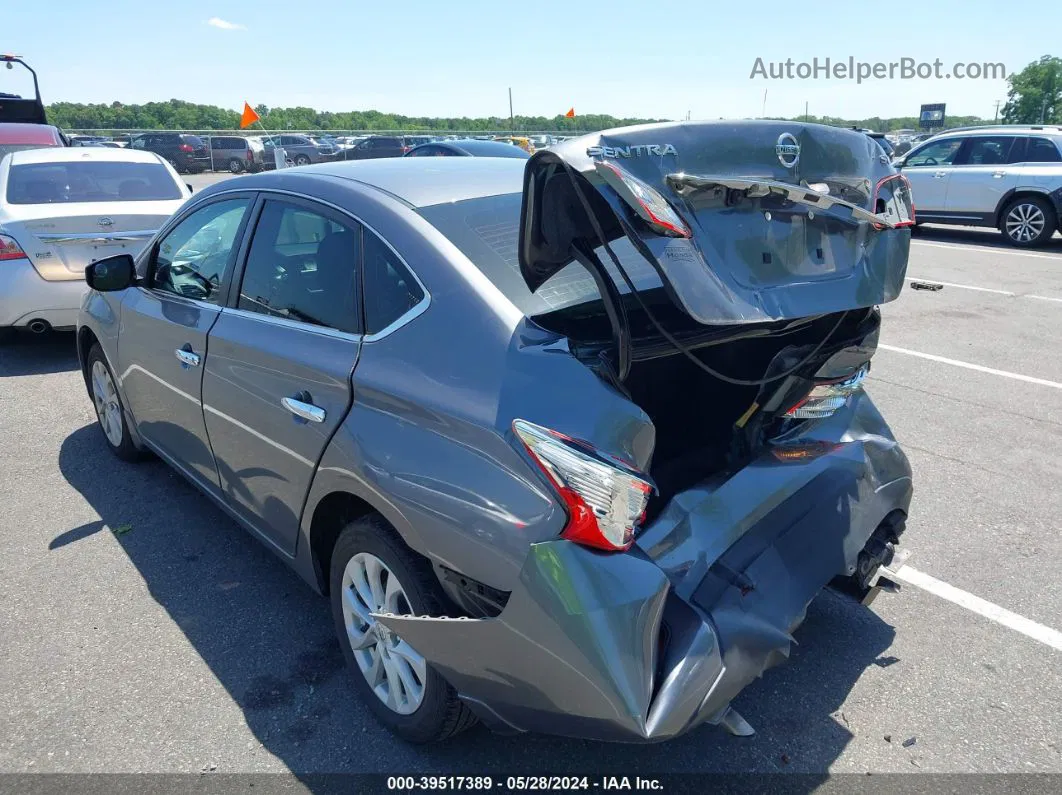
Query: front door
column 929, row 171
column 277, row 383
column 162, row 348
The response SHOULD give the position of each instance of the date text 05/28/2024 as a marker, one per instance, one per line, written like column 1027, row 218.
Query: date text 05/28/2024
column 521, row 783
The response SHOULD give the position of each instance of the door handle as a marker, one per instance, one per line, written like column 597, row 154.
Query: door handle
column 304, row 407
column 999, row 174
column 186, row 356
column 940, row 175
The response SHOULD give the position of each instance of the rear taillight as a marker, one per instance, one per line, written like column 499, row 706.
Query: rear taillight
column 605, row 499
column 645, row 200
column 250, row 156
column 186, row 148
column 826, row 397
column 10, row 249
column 406, row 149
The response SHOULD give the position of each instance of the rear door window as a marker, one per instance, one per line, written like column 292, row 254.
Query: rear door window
column 302, row 266
column 986, row 151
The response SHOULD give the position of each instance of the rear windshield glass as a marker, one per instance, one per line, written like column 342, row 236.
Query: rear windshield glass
column 100, row 181
column 486, row 230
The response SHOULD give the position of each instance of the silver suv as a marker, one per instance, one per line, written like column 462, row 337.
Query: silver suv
column 1006, row 177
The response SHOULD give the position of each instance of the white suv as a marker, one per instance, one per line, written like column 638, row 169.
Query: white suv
column 1005, row 177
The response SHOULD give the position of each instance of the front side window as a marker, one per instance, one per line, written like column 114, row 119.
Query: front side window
column 987, row 151
column 192, row 258
column 938, row 153
column 302, row 266
column 390, row 289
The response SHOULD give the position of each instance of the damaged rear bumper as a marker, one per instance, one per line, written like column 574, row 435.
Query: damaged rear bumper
column 643, row 646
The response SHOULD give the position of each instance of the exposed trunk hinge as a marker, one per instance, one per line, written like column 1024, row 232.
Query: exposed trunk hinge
column 614, row 308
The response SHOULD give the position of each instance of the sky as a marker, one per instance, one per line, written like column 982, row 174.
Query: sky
column 652, row 59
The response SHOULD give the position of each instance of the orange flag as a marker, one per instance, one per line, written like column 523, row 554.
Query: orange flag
column 249, row 117
column 570, row 114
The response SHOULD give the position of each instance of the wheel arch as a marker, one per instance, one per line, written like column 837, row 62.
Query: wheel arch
column 86, row 338
column 1017, row 193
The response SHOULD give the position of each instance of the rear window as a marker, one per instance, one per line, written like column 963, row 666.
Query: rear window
column 192, row 140
column 101, row 181
column 487, row 232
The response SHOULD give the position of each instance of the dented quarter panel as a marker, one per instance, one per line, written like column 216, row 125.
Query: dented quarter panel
column 729, row 567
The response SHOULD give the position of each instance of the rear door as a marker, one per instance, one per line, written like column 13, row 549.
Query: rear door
column 278, row 379
column 929, row 170
column 983, row 172
column 162, row 349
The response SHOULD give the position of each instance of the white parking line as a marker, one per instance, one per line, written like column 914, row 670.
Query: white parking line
column 979, row 368
column 986, row 249
column 1043, row 298
column 1028, row 627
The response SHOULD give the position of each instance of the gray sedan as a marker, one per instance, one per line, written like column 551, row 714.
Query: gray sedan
column 561, row 461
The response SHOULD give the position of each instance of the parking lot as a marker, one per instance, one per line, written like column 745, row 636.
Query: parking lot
column 145, row 631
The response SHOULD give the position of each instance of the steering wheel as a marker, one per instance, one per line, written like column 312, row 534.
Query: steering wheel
column 929, row 161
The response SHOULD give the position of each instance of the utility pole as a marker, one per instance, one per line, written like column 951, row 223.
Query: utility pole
column 805, row 111
column 512, row 119
column 763, row 114
column 996, row 117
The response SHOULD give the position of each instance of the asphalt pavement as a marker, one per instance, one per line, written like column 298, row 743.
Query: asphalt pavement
column 143, row 631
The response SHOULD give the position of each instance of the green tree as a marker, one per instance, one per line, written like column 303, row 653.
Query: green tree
column 1035, row 94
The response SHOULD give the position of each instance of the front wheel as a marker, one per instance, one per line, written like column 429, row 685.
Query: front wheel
column 108, row 404
column 372, row 571
column 1028, row 221
column 302, row 160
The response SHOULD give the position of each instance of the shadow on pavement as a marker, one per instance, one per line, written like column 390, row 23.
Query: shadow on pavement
column 269, row 641
column 974, row 236
column 38, row 354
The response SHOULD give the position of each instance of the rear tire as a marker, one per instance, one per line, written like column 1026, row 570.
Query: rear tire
column 440, row 713
column 235, row 166
column 302, row 160
column 110, row 413
column 1028, row 221
column 173, row 163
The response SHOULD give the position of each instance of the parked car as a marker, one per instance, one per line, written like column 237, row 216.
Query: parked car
column 376, row 146
column 62, row 208
column 87, row 140
column 16, row 136
column 1006, row 177
column 186, row 153
column 237, row 153
column 542, row 141
column 468, row 148
column 299, row 149
column 401, row 376
column 517, row 140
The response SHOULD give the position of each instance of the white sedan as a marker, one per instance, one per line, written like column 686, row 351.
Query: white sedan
column 62, row 208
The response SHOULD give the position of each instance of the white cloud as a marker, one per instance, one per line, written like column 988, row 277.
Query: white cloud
column 218, row 22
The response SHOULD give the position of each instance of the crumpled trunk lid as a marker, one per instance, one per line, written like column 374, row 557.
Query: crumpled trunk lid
column 784, row 220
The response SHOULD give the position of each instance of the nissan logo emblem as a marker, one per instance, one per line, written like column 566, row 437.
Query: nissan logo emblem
column 788, row 150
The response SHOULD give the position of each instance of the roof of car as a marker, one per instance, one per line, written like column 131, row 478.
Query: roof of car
column 1009, row 129
column 424, row 181
column 485, row 148
column 19, row 133
column 81, row 153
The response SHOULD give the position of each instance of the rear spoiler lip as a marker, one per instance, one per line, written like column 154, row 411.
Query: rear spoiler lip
column 684, row 184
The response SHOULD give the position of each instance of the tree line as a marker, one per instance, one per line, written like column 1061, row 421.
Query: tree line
column 1035, row 96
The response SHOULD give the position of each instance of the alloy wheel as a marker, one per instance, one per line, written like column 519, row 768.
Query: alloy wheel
column 395, row 671
column 105, row 398
column 1025, row 222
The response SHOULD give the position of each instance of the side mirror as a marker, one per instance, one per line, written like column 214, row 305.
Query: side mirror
column 111, row 273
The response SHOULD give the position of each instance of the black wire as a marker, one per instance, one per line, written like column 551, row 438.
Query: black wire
column 652, row 319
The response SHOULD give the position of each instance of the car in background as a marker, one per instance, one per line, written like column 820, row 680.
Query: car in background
column 301, row 150
column 416, row 140
column 517, row 140
column 440, row 417
column 62, row 208
column 1007, row 177
column 880, row 138
column 376, row 146
column 542, row 141
column 188, row 154
column 16, row 136
column 467, row 148
column 87, row 140
column 237, row 153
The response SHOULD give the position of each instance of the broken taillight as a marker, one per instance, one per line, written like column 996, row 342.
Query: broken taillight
column 893, row 202
column 645, row 200
column 826, row 397
column 605, row 500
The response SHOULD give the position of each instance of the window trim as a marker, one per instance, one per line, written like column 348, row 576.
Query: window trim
column 150, row 253
column 232, row 296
